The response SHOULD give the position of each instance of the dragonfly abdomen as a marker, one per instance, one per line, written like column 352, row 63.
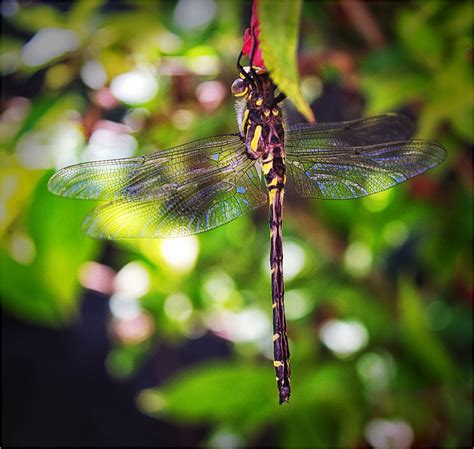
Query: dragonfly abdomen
column 280, row 341
column 274, row 171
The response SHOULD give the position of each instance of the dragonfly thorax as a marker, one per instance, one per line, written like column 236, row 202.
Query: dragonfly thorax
column 260, row 117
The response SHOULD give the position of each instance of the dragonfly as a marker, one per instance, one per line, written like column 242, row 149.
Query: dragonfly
column 204, row 184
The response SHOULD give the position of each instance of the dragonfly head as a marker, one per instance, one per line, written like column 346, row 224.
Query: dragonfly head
column 248, row 81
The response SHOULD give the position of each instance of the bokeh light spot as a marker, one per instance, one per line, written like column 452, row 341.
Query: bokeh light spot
column 311, row 86
column 375, row 371
column 378, row 201
column 181, row 253
column 109, row 143
column 203, row 65
column 93, row 74
column 47, row 44
column 133, row 280
column 294, row 259
column 297, row 304
column 225, row 440
column 395, row 233
column 219, row 288
column 191, row 14
column 135, row 119
column 124, row 307
column 169, row 42
column 387, row 434
column 358, row 259
column 22, row 248
column 9, row 8
column 57, row 145
column 248, row 325
column 96, row 276
column 135, row 87
column 344, row 337
column 178, row 307
column 59, row 76
column 211, row 94
column 133, row 330
column 182, row 119
column 150, row 401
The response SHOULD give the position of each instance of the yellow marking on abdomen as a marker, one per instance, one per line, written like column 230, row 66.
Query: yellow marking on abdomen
column 273, row 182
column 277, row 364
column 267, row 167
column 256, row 136
column 259, row 102
column 271, row 195
column 276, row 337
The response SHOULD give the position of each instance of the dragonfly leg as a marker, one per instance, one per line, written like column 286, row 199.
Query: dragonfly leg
column 279, row 98
column 252, row 54
column 242, row 71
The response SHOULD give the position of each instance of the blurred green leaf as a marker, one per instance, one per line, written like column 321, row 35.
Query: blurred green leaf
column 278, row 40
column 44, row 111
column 38, row 16
column 389, row 91
column 462, row 122
column 81, row 13
column 419, row 340
column 219, row 392
column 421, row 40
column 332, row 391
column 46, row 290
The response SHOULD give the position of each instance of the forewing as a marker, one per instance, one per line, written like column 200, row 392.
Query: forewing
column 355, row 171
column 361, row 132
column 147, row 177
column 197, row 205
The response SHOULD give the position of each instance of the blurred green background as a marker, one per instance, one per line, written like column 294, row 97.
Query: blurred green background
column 168, row 342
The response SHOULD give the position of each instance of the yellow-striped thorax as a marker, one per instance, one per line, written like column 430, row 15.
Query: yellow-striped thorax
column 259, row 116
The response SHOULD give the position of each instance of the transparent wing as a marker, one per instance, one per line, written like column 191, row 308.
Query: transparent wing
column 148, row 177
column 194, row 207
column 361, row 132
column 182, row 191
column 357, row 158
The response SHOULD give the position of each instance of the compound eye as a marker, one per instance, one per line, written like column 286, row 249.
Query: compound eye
column 239, row 87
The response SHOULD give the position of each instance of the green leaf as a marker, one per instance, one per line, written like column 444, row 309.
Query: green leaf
column 333, row 392
column 38, row 16
column 46, row 289
column 217, row 392
column 420, row 37
column 44, row 111
column 80, row 15
column 388, row 93
column 462, row 122
column 278, row 40
column 420, row 340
